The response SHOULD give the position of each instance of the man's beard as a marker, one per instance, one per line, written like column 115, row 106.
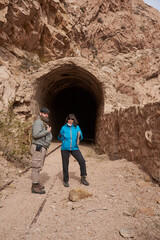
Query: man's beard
column 44, row 119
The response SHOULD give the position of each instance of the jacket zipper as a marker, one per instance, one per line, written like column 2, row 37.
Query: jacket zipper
column 71, row 138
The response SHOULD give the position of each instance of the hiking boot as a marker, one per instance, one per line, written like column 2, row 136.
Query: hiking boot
column 41, row 186
column 84, row 181
column 66, row 184
column 36, row 189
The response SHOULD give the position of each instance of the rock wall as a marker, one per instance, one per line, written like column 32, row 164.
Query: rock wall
column 106, row 28
column 92, row 29
column 113, row 35
column 133, row 133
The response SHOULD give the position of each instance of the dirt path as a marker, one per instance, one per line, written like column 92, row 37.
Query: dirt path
column 125, row 202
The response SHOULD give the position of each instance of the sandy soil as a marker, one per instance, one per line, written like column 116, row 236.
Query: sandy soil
column 125, row 202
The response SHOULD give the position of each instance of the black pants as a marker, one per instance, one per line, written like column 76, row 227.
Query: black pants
column 65, row 161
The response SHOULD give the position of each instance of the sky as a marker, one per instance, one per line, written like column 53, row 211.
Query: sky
column 153, row 3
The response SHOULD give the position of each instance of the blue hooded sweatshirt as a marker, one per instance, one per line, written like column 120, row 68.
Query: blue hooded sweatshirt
column 68, row 136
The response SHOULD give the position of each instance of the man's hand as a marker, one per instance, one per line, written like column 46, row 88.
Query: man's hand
column 49, row 128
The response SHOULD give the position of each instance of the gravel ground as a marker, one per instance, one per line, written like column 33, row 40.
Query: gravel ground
column 125, row 203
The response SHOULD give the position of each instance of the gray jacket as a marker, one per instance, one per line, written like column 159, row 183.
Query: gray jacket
column 40, row 135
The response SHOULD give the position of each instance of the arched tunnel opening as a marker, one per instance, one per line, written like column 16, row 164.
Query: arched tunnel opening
column 80, row 102
column 71, row 89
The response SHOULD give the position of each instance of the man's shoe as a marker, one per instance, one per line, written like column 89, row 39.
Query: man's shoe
column 66, row 184
column 41, row 186
column 36, row 189
column 84, row 181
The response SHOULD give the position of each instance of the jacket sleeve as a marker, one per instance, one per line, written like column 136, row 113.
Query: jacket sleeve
column 79, row 130
column 38, row 131
column 61, row 134
column 49, row 137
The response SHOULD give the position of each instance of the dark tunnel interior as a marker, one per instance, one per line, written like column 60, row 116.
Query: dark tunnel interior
column 71, row 89
column 78, row 101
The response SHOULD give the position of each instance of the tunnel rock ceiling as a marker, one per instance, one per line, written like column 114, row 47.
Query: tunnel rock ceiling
column 71, row 86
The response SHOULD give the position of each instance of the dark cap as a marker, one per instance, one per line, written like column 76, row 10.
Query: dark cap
column 44, row 110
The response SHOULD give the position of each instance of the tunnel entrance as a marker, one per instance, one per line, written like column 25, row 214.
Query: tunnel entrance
column 80, row 102
column 71, row 89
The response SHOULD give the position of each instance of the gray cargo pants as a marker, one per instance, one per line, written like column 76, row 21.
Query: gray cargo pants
column 38, row 158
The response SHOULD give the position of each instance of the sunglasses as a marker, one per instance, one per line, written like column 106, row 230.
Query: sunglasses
column 71, row 119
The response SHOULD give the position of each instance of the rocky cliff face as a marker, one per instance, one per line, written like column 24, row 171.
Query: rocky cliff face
column 99, row 29
column 108, row 52
column 122, row 38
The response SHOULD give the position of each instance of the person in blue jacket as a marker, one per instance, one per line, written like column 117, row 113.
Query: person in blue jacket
column 70, row 135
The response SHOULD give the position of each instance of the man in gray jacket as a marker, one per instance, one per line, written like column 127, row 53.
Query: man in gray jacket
column 41, row 139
